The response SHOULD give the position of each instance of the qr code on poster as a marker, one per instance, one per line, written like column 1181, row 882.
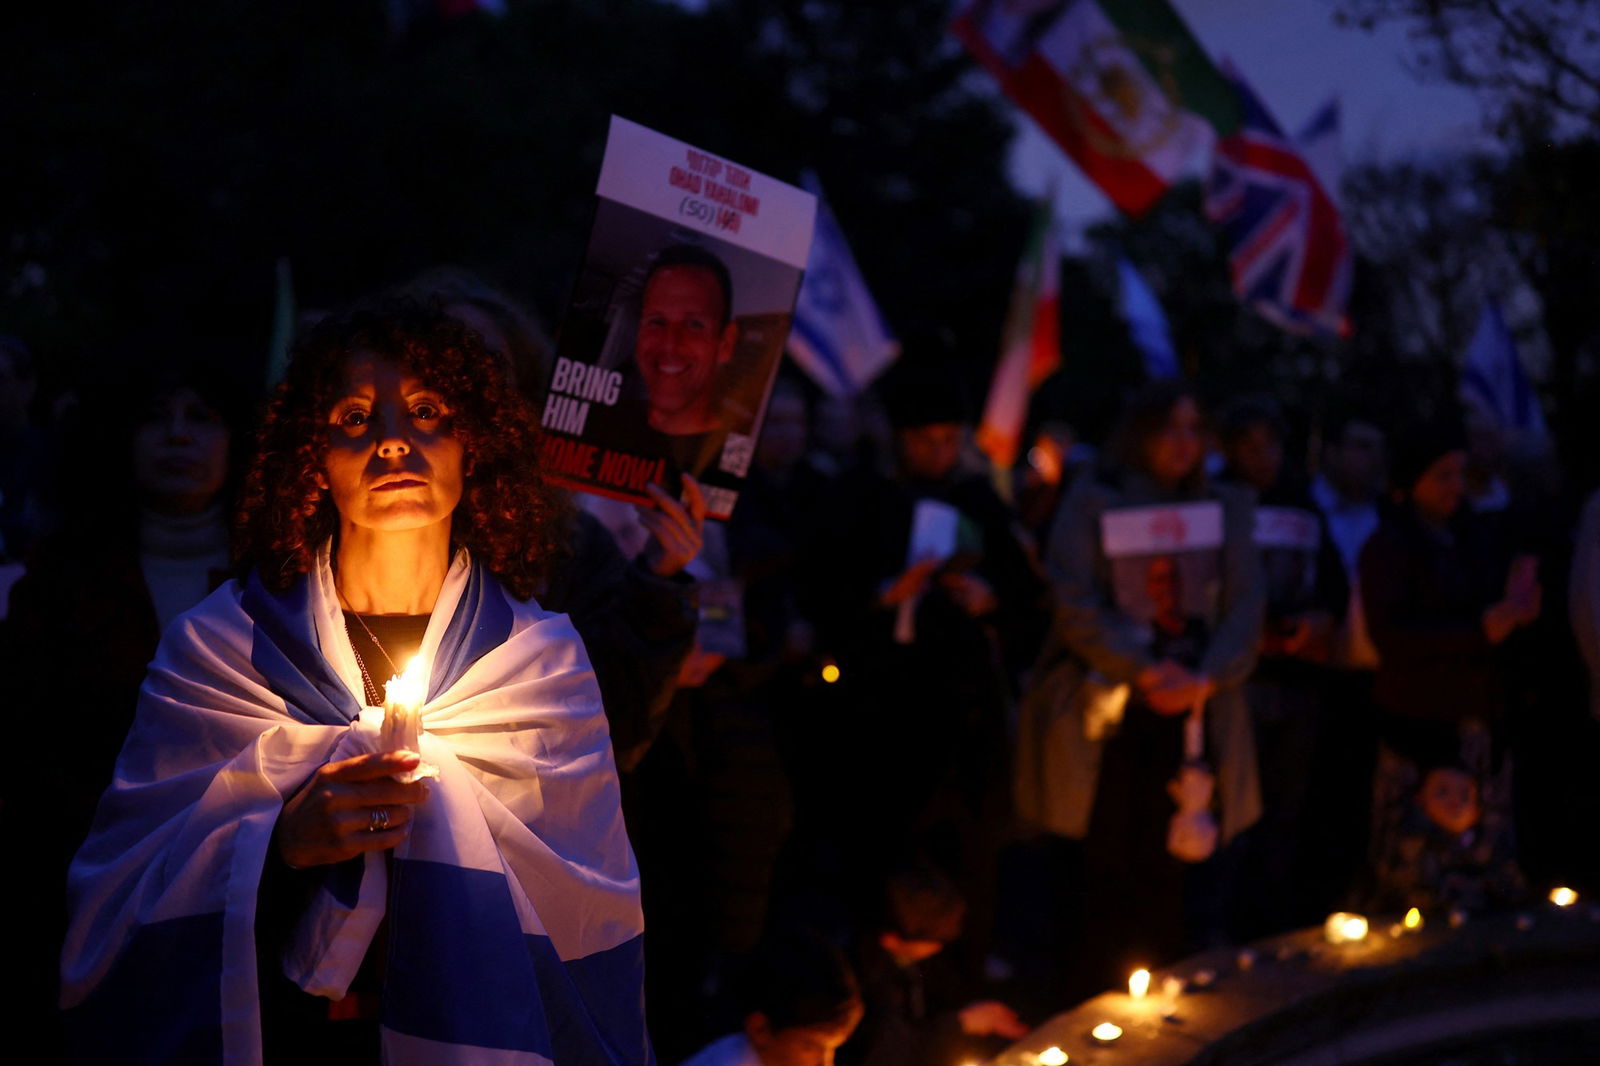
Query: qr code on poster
column 719, row 502
column 736, row 453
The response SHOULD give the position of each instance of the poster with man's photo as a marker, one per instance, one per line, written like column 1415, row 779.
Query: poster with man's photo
column 677, row 323
column 1166, row 570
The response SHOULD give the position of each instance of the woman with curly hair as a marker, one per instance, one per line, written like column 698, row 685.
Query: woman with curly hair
column 279, row 869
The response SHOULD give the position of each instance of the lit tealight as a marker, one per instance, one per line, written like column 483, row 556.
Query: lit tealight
column 1413, row 920
column 1344, row 928
column 1563, row 897
column 1105, row 1032
column 830, row 673
column 1139, row 984
column 1052, row 1056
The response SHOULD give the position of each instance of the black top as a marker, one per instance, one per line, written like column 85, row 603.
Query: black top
column 398, row 639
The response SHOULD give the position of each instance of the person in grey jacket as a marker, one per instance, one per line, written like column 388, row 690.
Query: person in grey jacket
column 1159, row 601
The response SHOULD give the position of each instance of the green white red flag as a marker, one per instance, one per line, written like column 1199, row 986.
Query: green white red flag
column 1121, row 85
column 1030, row 349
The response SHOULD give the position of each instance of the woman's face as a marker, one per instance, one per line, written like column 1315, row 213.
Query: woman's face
column 1175, row 450
column 393, row 463
column 1438, row 493
column 180, row 454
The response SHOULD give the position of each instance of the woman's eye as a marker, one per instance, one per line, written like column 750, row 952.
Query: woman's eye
column 353, row 418
column 427, row 412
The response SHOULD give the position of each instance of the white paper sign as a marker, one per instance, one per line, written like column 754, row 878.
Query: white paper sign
column 1130, row 531
column 670, row 179
column 933, row 532
column 1286, row 527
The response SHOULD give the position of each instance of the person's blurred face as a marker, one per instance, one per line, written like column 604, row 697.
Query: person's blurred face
column 684, row 336
column 1175, row 450
column 1257, row 456
column 783, row 432
column 930, row 453
column 800, row 1045
column 1450, row 800
column 1354, row 464
column 1439, row 490
column 393, row 462
column 180, row 454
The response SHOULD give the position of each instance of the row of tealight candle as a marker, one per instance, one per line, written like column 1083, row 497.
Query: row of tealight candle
column 1341, row 927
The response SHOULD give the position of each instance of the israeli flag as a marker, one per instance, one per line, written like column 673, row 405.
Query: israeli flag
column 1146, row 322
column 838, row 337
column 1493, row 379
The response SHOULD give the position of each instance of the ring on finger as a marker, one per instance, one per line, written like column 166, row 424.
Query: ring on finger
column 378, row 819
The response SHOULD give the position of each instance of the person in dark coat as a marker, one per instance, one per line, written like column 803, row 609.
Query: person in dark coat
column 1443, row 595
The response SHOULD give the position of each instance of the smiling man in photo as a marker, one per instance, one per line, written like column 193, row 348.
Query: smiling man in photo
column 686, row 334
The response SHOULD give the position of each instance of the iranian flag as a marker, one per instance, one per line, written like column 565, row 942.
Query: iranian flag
column 1030, row 349
column 1121, row 85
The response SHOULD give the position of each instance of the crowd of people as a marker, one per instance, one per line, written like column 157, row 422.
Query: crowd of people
column 910, row 754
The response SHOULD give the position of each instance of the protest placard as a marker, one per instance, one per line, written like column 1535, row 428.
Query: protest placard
column 677, row 322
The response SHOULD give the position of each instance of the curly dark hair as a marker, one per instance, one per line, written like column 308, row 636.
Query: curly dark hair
column 508, row 517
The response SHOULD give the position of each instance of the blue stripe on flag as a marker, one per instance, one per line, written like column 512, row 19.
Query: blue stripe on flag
column 279, row 650
column 477, row 979
column 482, row 622
column 166, row 977
column 824, row 351
column 595, row 1004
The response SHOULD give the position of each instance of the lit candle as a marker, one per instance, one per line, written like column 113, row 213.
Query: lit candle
column 1344, row 928
column 1563, row 897
column 401, row 730
column 1413, row 920
column 1139, row 984
column 1052, row 1056
column 1105, row 1032
column 830, row 673
column 1171, row 989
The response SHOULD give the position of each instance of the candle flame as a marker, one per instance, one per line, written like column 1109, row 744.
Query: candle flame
column 1563, row 897
column 1412, row 920
column 1052, row 1056
column 409, row 688
column 830, row 673
column 1342, row 927
column 1139, row 984
column 1106, row 1031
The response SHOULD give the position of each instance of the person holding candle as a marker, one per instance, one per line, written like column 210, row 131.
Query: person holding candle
column 262, row 873
column 1159, row 604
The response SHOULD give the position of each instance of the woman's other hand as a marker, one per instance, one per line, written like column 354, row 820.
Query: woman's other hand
column 333, row 816
column 909, row 584
column 971, row 593
column 677, row 530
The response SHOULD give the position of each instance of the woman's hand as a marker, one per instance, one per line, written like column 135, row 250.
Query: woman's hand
column 1523, row 601
column 331, row 818
column 909, row 584
column 971, row 593
column 677, row 530
column 990, row 1017
column 1171, row 689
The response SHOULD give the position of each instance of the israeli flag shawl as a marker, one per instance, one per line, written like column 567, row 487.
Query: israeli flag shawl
column 514, row 918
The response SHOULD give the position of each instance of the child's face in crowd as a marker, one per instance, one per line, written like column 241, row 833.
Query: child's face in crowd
column 801, row 1045
column 1450, row 800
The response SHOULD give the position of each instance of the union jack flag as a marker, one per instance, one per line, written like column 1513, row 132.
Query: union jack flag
column 1287, row 246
